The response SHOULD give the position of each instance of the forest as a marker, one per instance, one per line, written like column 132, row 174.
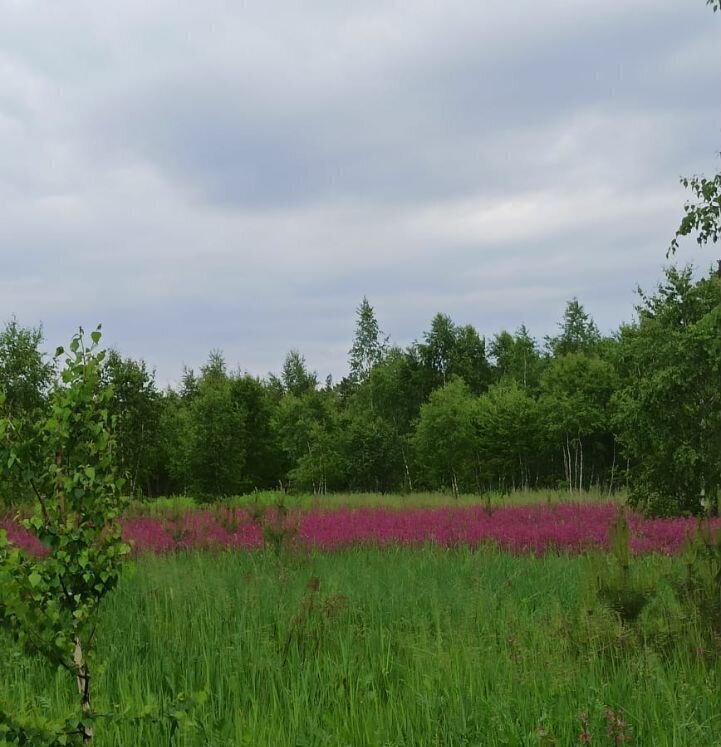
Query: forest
column 637, row 411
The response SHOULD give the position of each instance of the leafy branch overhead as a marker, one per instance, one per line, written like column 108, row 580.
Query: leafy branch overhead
column 702, row 217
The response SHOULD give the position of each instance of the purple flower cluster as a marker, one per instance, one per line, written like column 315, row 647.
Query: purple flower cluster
column 20, row 538
column 518, row 529
column 569, row 527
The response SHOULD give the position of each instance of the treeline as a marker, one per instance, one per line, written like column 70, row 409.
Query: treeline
column 640, row 409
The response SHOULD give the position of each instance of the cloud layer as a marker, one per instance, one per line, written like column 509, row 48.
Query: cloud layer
column 239, row 175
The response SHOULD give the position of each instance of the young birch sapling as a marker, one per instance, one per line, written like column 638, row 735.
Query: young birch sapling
column 50, row 604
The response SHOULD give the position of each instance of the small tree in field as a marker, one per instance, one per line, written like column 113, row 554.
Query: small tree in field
column 49, row 604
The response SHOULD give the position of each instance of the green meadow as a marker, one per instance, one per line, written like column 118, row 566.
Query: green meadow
column 387, row 648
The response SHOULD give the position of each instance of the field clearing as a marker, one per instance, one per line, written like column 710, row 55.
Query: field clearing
column 393, row 647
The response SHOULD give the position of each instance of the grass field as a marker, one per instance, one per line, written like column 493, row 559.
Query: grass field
column 414, row 646
column 175, row 504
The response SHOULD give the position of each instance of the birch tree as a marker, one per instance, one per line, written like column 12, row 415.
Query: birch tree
column 50, row 605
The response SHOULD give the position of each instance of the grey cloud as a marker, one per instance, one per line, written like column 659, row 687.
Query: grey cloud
column 216, row 175
column 266, row 135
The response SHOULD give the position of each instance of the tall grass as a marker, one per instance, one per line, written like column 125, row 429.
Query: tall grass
column 181, row 504
column 396, row 647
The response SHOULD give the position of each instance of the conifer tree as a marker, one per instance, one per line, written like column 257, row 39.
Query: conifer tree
column 579, row 333
column 369, row 345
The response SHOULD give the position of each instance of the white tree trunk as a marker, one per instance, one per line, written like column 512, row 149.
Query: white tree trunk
column 82, row 678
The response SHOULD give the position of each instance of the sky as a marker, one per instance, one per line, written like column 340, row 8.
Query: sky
column 239, row 175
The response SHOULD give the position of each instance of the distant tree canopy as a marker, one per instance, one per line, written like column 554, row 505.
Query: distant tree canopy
column 25, row 374
column 578, row 332
column 639, row 409
column 25, row 380
column 517, row 357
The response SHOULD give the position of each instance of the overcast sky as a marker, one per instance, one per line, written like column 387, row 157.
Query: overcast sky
column 238, row 175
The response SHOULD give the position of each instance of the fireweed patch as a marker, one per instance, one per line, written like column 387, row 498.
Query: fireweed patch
column 570, row 528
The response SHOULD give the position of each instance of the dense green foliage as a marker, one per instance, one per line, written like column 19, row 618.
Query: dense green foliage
column 638, row 409
column 135, row 405
column 25, row 378
column 668, row 408
column 396, row 647
column 50, row 604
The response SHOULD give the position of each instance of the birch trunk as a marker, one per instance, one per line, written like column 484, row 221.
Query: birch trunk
column 613, row 468
column 580, row 472
column 82, row 678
